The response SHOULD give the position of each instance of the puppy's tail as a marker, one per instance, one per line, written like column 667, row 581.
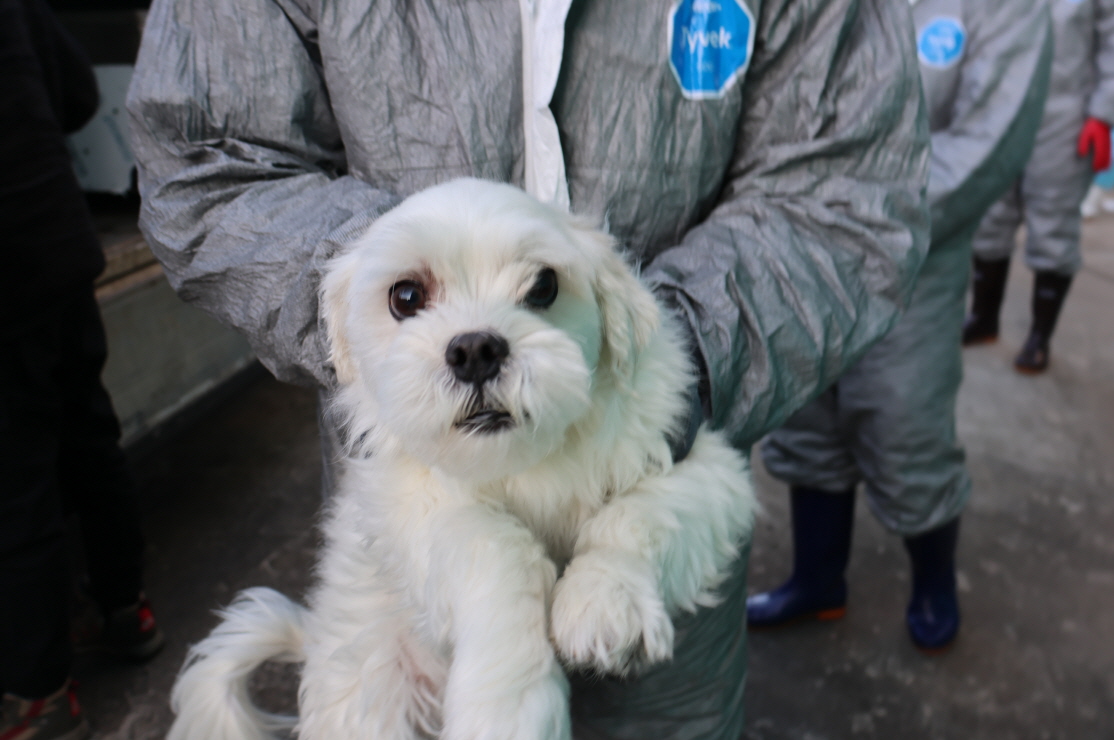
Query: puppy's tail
column 210, row 697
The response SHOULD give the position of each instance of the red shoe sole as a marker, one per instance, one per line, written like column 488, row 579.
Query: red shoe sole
column 980, row 340
column 827, row 615
column 824, row 615
column 1029, row 370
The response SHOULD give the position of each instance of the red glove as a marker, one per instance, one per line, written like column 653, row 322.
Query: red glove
column 1095, row 137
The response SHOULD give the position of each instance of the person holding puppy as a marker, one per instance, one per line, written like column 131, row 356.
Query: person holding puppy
column 754, row 158
column 889, row 422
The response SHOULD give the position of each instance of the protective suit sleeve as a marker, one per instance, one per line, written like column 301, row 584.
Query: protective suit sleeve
column 814, row 246
column 241, row 169
column 1101, row 104
column 995, row 115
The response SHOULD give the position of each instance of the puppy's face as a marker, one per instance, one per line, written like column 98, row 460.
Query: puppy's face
column 478, row 324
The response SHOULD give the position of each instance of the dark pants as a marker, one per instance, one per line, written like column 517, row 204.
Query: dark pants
column 59, row 454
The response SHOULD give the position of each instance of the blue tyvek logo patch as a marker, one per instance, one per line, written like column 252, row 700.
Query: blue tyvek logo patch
column 710, row 45
column 941, row 42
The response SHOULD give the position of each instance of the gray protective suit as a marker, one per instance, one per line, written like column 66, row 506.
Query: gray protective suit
column 1048, row 194
column 890, row 420
column 763, row 160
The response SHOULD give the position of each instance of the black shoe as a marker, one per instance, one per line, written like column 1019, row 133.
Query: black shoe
column 130, row 633
column 1033, row 357
column 821, row 529
column 1049, row 291
column 56, row 717
column 933, row 612
column 988, row 286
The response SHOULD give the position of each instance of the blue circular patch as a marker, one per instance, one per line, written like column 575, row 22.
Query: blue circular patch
column 710, row 44
column 941, row 42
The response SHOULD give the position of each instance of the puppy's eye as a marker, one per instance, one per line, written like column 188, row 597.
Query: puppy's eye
column 544, row 290
column 407, row 297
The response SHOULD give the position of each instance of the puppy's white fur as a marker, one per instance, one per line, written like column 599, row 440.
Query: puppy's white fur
column 463, row 567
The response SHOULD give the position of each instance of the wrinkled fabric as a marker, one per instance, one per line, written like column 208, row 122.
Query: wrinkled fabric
column 785, row 217
column 269, row 134
column 1048, row 194
column 543, row 43
column 889, row 422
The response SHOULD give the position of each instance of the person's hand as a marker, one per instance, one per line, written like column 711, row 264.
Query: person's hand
column 1095, row 138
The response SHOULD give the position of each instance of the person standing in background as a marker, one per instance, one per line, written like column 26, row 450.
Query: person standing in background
column 1073, row 143
column 889, row 421
column 59, row 436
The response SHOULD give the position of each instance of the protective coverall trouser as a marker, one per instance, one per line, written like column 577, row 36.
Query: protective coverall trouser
column 890, row 420
column 1046, row 198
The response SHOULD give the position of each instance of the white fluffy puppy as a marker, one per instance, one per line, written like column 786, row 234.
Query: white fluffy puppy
column 509, row 501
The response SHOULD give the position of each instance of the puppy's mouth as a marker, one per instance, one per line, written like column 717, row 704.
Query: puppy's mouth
column 482, row 416
column 486, row 421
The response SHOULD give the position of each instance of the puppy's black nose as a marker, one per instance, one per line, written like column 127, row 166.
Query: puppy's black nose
column 477, row 356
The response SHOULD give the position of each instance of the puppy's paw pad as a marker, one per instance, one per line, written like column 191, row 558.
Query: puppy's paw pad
column 607, row 614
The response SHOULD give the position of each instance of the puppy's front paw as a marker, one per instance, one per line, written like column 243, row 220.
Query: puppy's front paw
column 538, row 711
column 607, row 614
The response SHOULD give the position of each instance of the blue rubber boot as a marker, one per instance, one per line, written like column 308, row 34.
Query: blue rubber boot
column 933, row 613
column 821, row 547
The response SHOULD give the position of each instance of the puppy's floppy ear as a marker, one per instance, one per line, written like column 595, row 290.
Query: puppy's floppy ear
column 630, row 315
column 335, row 288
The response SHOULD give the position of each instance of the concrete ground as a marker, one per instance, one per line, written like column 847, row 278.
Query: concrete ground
column 231, row 501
